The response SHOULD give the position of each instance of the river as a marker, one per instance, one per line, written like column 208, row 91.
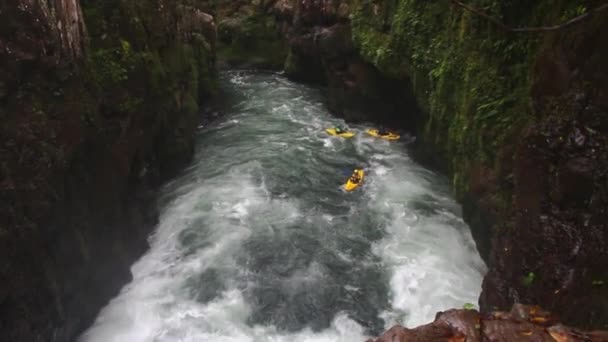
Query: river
column 257, row 241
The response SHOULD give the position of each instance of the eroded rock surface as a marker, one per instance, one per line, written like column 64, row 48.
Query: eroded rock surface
column 522, row 323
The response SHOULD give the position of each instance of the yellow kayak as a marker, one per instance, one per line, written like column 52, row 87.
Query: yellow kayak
column 332, row 131
column 350, row 185
column 389, row 136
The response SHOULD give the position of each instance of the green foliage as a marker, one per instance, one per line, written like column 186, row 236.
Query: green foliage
column 148, row 72
column 528, row 279
column 573, row 12
column 113, row 65
column 251, row 39
column 471, row 78
column 469, row 306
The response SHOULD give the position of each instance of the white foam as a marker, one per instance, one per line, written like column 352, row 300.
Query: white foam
column 380, row 170
column 433, row 264
column 238, row 79
column 283, row 109
column 328, row 142
column 155, row 306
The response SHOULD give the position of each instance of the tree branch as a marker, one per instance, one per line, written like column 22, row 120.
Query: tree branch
column 507, row 28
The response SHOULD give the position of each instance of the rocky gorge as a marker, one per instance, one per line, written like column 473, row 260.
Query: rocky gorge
column 516, row 119
column 100, row 101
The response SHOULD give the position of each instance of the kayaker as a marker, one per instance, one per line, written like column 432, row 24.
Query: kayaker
column 383, row 131
column 355, row 178
column 340, row 130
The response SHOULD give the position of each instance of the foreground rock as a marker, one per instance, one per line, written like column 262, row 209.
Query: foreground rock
column 523, row 323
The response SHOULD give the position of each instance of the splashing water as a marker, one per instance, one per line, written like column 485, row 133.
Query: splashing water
column 257, row 241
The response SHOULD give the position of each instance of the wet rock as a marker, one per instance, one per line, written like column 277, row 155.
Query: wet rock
column 343, row 11
column 334, row 41
column 465, row 322
column 3, row 90
column 283, row 10
column 505, row 330
column 429, row 333
column 533, row 314
column 523, row 323
column 251, row 38
column 561, row 333
column 576, row 181
column 193, row 20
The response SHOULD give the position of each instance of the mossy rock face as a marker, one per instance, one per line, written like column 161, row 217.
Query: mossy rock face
column 252, row 41
column 91, row 130
column 491, row 99
column 146, row 65
column 304, row 67
column 467, row 88
column 471, row 78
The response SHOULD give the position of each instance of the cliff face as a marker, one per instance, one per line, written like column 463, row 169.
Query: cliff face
column 99, row 100
column 98, row 103
column 517, row 120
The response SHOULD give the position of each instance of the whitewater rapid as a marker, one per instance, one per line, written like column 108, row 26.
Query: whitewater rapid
column 257, row 241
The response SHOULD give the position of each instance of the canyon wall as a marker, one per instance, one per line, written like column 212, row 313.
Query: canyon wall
column 518, row 121
column 98, row 104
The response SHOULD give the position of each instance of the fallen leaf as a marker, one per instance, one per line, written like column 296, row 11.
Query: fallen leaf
column 558, row 337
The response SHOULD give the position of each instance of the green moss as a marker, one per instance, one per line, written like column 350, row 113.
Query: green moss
column 528, row 279
column 251, row 40
column 471, row 78
column 469, row 306
column 150, row 73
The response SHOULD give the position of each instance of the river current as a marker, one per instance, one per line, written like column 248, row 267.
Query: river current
column 257, row 240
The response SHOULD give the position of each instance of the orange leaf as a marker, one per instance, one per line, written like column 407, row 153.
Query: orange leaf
column 538, row 319
column 558, row 337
